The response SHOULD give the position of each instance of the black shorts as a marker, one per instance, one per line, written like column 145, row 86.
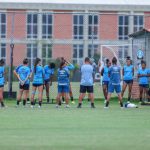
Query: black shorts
column 84, row 89
column 36, row 85
column 144, row 85
column 128, row 81
column 24, row 87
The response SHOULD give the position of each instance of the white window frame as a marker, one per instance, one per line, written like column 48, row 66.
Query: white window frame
column 3, row 35
column 1, row 46
column 138, row 27
column 78, row 36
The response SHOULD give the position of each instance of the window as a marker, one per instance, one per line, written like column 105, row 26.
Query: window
column 123, row 27
column 138, row 23
column 31, row 53
column 46, row 26
column 2, row 25
column 92, row 50
column 3, row 51
column 93, row 27
column 123, row 52
column 32, row 25
column 78, row 22
column 46, row 53
column 77, row 54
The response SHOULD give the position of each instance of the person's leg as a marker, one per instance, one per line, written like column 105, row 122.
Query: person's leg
column 63, row 97
column 58, row 99
column 129, row 91
column 141, row 93
column 92, row 100
column 25, row 97
column 67, row 99
column 120, row 99
column 1, row 96
column 118, row 91
column 28, row 93
column 82, row 95
column 105, row 92
column 108, row 99
column 123, row 88
column 71, row 94
column 19, row 96
column 33, row 94
column 47, row 91
column 40, row 95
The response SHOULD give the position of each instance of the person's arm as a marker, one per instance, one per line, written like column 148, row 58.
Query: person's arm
column 70, row 65
column 133, row 71
column 102, row 72
column 123, row 71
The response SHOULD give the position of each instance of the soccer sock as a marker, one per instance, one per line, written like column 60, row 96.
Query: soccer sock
column 47, row 99
column 63, row 99
column 92, row 104
column 140, row 99
column 121, row 104
column 40, row 103
column 79, row 104
column 107, row 104
column 71, row 98
column 2, row 104
column 18, row 102
column 129, row 98
column 32, row 103
column 24, row 102
column 28, row 99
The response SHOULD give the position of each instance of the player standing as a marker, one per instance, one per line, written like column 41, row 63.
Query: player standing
column 143, row 74
column 86, row 84
column 128, row 74
column 63, row 84
column 24, row 83
column 2, row 81
column 106, row 78
column 49, row 72
column 114, row 84
column 38, row 81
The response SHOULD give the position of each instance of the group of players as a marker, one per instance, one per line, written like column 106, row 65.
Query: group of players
column 42, row 78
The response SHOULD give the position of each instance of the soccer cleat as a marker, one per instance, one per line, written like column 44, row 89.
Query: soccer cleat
column 105, row 101
column 73, row 102
column 106, row 107
column 57, row 106
column 67, row 106
column 39, row 106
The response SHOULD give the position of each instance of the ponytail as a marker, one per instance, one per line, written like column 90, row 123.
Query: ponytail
column 37, row 60
column 61, row 65
column 2, row 62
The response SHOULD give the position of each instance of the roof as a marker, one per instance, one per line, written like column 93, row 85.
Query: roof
column 140, row 33
column 99, row 2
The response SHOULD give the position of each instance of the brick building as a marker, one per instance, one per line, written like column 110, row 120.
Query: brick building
column 71, row 28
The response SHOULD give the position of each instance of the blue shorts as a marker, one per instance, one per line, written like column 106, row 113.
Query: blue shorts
column 1, row 86
column 144, row 85
column 128, row 81
column 112, row 88
column 63, row 89
column 36, row 85
column 105, row 83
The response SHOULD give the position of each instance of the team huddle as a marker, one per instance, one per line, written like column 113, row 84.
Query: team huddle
column 42, row 79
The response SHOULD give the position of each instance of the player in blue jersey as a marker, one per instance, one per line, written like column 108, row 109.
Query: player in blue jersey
column 86, row 84
column 49, row 72
column 143, row 75
column 38, row 82
column 2, row 81
column 23, row 74
column 106, row 79
column 114, row 83
column 63, row 83
column 128, row 74
column 70, row 67
column 16, row 74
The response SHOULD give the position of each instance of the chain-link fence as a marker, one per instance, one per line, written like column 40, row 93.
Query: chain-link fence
column 72, row 35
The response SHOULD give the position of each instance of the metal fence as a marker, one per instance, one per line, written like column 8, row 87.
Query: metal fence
column 50, row 35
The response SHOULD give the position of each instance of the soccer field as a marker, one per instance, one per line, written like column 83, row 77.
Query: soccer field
column 49, row 128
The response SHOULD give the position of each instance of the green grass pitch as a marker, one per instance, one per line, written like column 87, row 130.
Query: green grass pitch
column 49, row 128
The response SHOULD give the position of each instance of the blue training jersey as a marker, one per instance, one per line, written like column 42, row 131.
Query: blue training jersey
column 24, row 72
column 128, row 72
column 114, row 73
column 105, row 74
column 2, row 71
column 63, row 76
column 87, row 75
column 38, row 76
column 143, row 80
column 48, row 72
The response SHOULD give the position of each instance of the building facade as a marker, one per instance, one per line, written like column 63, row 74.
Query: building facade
column 73, row 30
